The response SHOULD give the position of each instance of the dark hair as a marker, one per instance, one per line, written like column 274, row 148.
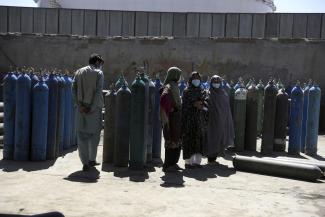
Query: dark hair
column 94, row 58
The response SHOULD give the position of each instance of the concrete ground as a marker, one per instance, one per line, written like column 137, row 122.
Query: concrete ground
column 218, row 190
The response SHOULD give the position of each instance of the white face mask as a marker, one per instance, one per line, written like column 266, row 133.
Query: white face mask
column 196, row 82
column 216, row 85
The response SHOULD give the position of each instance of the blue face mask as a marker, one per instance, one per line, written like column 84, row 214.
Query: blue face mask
column 196, row 82
column 216, row 85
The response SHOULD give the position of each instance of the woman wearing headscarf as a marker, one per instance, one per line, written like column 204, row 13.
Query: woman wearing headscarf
column 194, row 107
column 170, row 109
column 220, row 129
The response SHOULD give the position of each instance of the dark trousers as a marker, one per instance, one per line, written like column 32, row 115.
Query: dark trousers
column 171, row 156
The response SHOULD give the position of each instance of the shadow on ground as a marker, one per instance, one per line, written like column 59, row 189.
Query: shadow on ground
column 124, row 172
column 13, row 166
column 90, row 176
column 29, row 166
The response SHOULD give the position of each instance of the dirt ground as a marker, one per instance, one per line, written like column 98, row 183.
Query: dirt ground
column 214, row 190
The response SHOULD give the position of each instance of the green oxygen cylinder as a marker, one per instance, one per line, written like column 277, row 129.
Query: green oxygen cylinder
column 251, row 118
column 260, row 107
column 281, row 120
column 109, row 127
column 240, row 117
column 138, row 147
column 269, row 118
column 232, row 96
column 249, row 83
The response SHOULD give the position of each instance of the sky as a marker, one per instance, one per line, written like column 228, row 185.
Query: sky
column 283, row 6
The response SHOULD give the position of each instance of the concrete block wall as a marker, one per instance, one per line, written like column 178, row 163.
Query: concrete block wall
column 180, row 25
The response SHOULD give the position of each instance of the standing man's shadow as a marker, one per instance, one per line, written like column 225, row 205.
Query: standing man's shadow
column 90, row 176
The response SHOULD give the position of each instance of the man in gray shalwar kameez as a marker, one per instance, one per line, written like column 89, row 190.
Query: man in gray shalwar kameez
column 87, row 93
column 220, row 129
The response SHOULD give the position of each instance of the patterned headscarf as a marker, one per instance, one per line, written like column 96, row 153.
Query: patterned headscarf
column 172, row 77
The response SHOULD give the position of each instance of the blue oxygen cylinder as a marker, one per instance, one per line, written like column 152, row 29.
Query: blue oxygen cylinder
column 40, row 121
column 22, row 118
column 61, row 111
column 313, row 120
column 295, row 127
column 67, row 114
column 238, row 84
column 157, row 128
column 34, row 79
column 51, row 148
column 304, row 118
column 226, row 86
column 73, row 117
column 181, row 86
column 9, row 97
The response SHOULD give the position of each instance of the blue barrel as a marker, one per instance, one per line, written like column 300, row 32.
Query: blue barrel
column 181, row 86
column 157, row 128
column 313, row 120
column 67, row 113
column 40, row 121
column 295, row 126
column 22, row 119
column 9, row 97
column 61, row 111
column 304, row 118
column 51, row 148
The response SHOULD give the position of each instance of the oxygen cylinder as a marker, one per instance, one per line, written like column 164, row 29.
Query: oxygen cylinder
column 182, row 87
column 40, row 121
column 67, row 113
column 226, row 87
column 269, row 118
column 150, row 119
column 238, row 84
column 276, row 167
column 260, row 107
column 297, row 100
column 9, row 97
column 109, row 127
column 73, row 121
column 122, row 126
column 61, row 111
column 120, row 82
column 51, row 148
column 137, row 131
column 34, row 79
column 22, row 117
column 304, row 118
column 251, row 118
column 281, row 120
column 146, row 110
column 240, row 117
column 157, row 128
column 232, row 97
column 313, row 120
column 249, row 83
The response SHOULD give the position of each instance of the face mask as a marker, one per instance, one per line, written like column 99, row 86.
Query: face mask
column 216, row 85
column 196, row 82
